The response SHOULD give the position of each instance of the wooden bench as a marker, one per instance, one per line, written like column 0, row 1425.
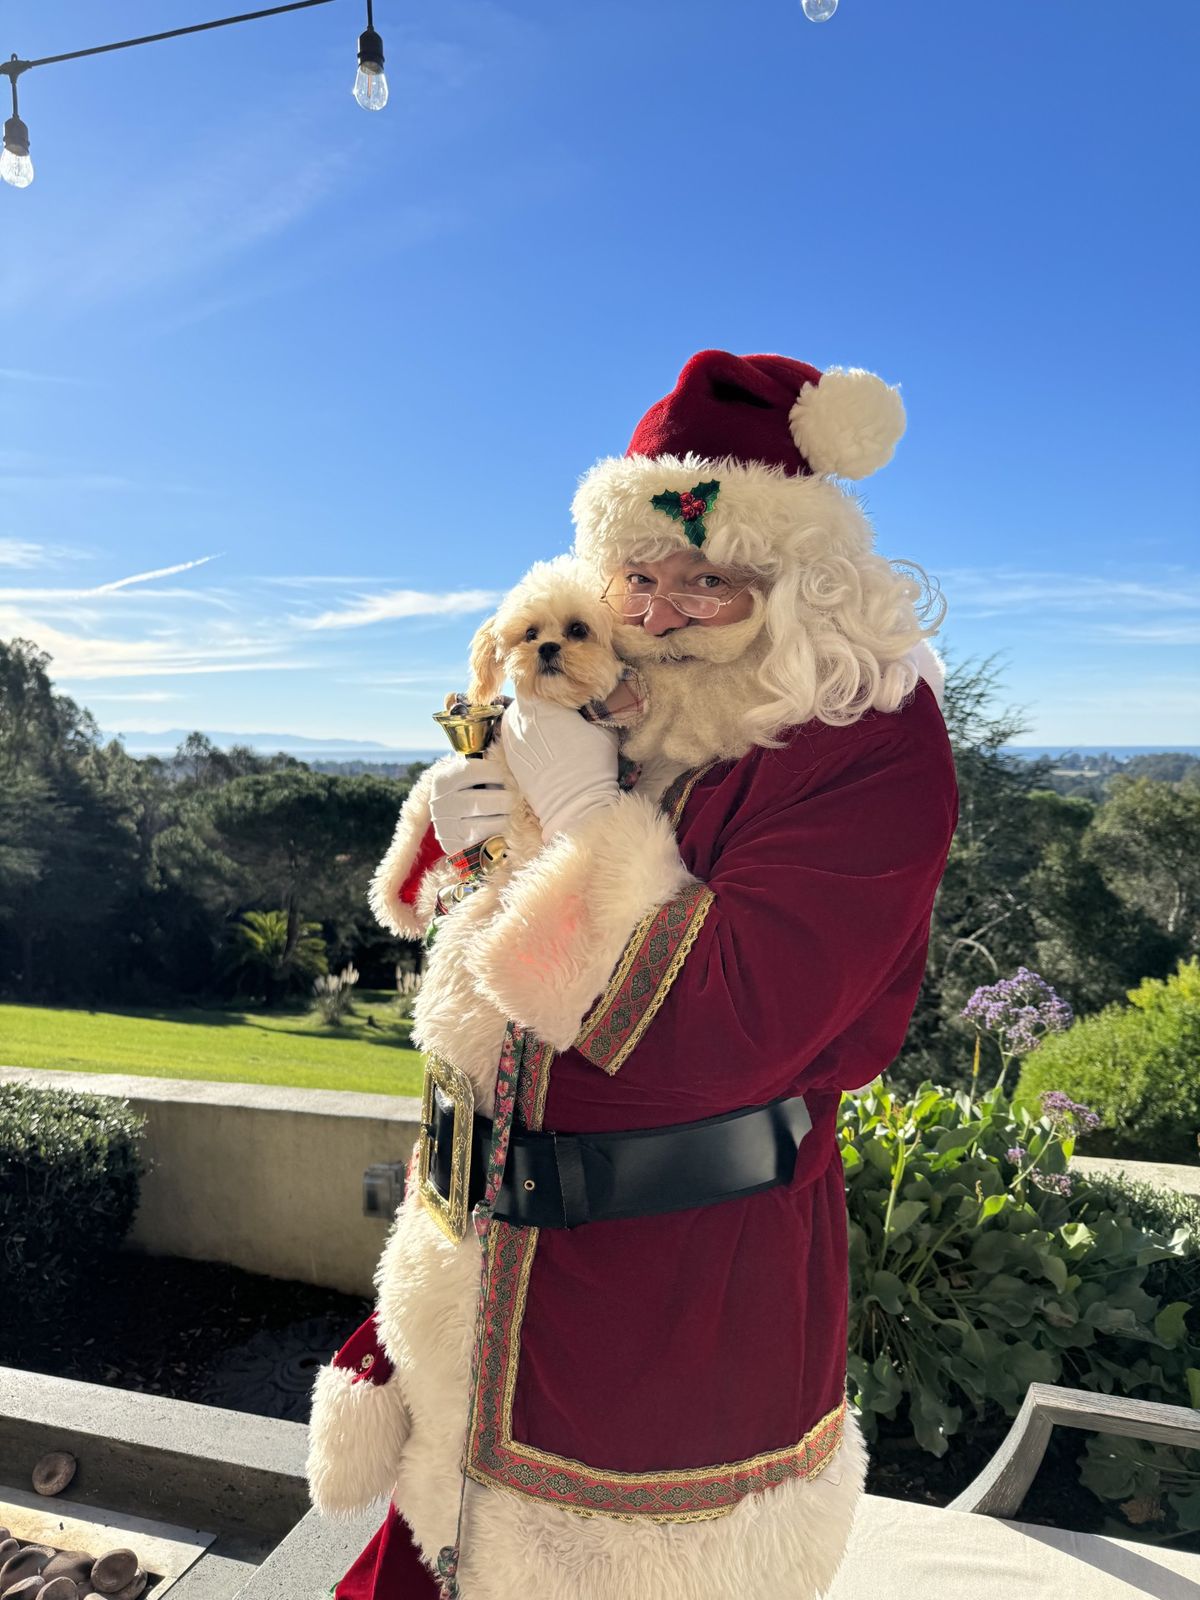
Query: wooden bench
column 972, row 1550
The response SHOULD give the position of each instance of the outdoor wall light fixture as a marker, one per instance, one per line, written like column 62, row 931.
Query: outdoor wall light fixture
column 17, row 169
column 370, row 84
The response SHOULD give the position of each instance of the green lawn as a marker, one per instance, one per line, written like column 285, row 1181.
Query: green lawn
column 228, row 1046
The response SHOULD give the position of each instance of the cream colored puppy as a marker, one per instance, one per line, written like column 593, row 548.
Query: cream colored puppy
column 552, row 636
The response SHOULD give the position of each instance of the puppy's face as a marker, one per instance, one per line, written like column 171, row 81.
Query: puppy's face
column 553, row 638
column 559, row 651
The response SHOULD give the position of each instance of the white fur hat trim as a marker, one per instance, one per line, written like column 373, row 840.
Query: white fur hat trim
column 848, row 424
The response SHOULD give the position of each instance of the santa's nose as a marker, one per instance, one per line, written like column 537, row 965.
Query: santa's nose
column 548, row 651
column 662, row 616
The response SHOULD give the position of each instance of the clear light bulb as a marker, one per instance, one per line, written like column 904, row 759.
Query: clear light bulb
column 818, row 10
column 15, row 166
column 370, row 86
column 17, row 170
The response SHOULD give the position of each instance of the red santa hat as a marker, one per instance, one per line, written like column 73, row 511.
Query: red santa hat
column 735, row 457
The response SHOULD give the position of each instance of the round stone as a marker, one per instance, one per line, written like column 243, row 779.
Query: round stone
column 73, row 1564
column 114, row 1571
column 133, row 1589
column 59, row 1589
column 8, row 1547
column 30, row 1588
column 27, row 1563
column 54, row 1472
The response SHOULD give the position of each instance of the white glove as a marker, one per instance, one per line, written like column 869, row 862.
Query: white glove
column 468, row 801
column 565, row 766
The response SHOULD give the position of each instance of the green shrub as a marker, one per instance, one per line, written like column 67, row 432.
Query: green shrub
column 980, row 1264
column 69, row 1173
column 1137, row 1065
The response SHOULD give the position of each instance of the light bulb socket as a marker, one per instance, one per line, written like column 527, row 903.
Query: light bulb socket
column 370, row 49
column 16, row 137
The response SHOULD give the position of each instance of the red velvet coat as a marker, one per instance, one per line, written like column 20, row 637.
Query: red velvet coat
column 672, row 1364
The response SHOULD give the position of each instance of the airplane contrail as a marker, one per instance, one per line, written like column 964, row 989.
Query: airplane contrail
column 147, row 577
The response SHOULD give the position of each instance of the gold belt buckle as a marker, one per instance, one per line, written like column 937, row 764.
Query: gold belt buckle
column 449, row 1213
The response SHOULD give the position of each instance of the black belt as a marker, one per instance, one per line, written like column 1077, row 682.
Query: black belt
column 556, row 1180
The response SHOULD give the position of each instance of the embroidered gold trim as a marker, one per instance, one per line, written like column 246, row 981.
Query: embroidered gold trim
column 704, row 901
column 518, row 1468
column 621, row 972
column 673, row 803
column 821, row 1441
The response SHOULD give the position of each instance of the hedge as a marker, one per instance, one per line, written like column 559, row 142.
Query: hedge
column 69, row 1180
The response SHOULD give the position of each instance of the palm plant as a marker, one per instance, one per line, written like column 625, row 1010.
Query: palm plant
column 262, row 946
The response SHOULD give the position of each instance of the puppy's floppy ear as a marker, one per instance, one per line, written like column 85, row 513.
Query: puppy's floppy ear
column 487, row 654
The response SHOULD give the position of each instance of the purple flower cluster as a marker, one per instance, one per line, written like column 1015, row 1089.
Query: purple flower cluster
column 1022, row 1010
column 1016, row 1155
column 1055, row 1182
column 1058, row 1107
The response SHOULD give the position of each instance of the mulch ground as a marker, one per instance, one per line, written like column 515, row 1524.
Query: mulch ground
column 161, row 1325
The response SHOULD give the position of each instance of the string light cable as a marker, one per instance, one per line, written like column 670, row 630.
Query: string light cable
column 16, row 168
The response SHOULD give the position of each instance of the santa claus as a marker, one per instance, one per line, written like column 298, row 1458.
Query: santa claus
column 628, row 1378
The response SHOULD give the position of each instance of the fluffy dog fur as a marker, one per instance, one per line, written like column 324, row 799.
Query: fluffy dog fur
column 553, row 636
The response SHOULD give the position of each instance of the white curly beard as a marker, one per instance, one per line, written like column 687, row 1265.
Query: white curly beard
column 700, row 683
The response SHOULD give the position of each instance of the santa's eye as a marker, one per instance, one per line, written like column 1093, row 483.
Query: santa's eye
column 530, row 635
column 577, row 630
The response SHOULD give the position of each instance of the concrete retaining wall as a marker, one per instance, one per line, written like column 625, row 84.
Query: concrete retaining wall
column 1161, row 1174
column 262, row 1178
column 271, row 1179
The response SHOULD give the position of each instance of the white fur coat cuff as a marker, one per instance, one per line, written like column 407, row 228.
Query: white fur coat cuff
column 407, row 919
column 567, row 915
column 355, row 1440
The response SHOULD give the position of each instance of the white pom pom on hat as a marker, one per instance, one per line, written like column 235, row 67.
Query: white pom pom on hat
column 849, row 424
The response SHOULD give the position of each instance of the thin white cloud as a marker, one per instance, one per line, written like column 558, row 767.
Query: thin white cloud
column 23, row 553
column 400, row 603
column 977, row 591
column 1168, row 633
column 20, row 375
column 149, row 577
column 142, row 697
column 171, row 653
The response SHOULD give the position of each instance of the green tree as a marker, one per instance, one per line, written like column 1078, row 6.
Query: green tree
column 1091, row 943
column 1146, row 841
column 303, row 841
column 68, row 848
column 983, row 921
column 262, row 946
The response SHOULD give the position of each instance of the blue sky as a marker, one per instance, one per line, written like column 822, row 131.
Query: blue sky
column 330, row 377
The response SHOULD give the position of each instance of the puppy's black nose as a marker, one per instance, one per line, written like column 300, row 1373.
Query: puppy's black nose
column 548, row 651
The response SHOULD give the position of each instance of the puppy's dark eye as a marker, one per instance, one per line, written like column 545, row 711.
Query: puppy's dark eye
column 530, row 635
column 577, row 630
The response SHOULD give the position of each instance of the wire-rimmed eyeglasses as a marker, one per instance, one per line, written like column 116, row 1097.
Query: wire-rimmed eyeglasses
column 636, row 602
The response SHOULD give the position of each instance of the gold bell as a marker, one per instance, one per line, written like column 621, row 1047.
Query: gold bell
column 469, row 728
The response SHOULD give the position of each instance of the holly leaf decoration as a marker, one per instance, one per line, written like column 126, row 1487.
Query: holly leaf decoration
column 690, row 508
column 671, row 503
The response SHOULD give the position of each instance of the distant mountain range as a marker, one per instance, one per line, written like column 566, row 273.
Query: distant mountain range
column 292, row 744
column 308, row 749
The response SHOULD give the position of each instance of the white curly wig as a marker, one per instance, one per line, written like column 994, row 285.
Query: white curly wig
column 845, row 628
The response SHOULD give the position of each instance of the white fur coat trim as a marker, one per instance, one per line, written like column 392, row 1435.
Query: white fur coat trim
column 932, row 668
column 568, row 914
column 396, row 915
column 356, row 1440
column 760, row 515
